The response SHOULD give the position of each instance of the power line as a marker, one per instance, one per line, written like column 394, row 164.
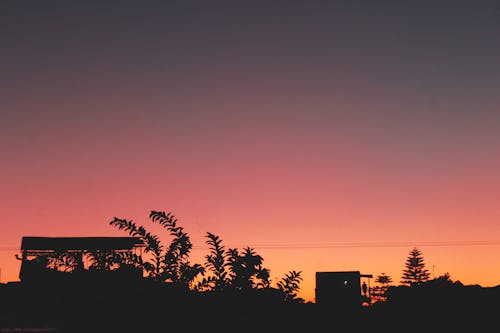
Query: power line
column 340, row 245
column 366, row 244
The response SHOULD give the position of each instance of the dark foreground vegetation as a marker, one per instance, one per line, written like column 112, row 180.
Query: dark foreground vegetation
column 108, row 305
column 100, row 285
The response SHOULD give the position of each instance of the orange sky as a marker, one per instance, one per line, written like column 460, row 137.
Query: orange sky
column 332, row 137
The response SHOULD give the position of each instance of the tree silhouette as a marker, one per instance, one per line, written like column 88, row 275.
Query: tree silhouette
column 246, row 269
column 379, row 291
column 224, row 269
column 383, row 279
column 415, row 272
column 216, row 263
column 290, row 285
column 56, row 261
column 232, row 270
column 103, row 260
column 165, row 264
column 443, row 281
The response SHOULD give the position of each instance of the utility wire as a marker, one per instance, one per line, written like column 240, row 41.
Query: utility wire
column 279, row 246
column 366, row 245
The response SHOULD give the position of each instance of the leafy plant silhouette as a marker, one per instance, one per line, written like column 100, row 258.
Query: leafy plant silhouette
column 243, row 271
column 290, row 285
column 216, row 262
column 56, row 261
column 246, row 269
column 223, row 270
column 164, row 263
column 103, row 260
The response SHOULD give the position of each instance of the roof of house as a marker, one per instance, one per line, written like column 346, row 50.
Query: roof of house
column 80, row 243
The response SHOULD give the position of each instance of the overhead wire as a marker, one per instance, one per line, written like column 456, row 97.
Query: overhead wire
column 366, row 244
column 279, row 246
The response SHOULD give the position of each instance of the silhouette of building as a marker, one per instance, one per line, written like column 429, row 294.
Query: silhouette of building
column 342, row 291
column 42, row 257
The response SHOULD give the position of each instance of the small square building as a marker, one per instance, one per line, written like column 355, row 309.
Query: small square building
column 342, row 290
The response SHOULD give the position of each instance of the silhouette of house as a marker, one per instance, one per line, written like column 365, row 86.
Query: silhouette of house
column 43, row 256
column 342, row 291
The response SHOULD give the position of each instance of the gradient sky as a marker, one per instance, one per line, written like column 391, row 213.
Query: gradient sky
column 327, row 135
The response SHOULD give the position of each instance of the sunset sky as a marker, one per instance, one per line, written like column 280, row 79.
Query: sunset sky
column 326, row 135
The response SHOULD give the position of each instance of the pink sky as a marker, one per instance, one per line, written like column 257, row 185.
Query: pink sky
column 300, row 142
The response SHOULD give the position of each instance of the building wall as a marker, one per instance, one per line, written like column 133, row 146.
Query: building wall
column 338, row 290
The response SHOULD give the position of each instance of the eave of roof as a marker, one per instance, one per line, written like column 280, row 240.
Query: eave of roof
column 80, row 243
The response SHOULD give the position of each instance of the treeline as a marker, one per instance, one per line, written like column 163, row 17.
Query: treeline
column 230, row 291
